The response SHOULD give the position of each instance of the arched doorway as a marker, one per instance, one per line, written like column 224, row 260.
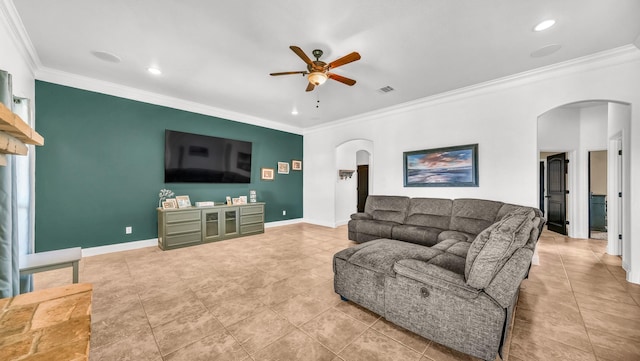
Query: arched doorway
column 577, row 131
column 349, row 155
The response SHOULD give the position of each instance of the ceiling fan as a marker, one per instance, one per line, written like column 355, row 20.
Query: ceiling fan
column 318, row 71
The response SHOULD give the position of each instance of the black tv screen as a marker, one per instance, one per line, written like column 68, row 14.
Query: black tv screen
column 193, row 158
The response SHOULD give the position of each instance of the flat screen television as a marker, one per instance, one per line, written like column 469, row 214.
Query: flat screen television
column 194, row 158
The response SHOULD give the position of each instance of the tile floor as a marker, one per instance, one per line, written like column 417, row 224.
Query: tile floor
column 270, row 297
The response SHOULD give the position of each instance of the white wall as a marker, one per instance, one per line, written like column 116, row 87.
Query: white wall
column 501, row 117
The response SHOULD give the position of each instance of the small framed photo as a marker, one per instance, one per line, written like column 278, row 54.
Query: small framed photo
column 236, row 201
column 243, row 199
column 183, row 201
column 296, row 165
column 169, row 204
column 283, row 167
column 267, row 173
column 228, row 200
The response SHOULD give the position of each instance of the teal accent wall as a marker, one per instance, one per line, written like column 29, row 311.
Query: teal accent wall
column 102, row 167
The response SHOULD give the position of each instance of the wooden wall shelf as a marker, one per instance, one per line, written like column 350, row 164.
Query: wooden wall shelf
column 15, row 134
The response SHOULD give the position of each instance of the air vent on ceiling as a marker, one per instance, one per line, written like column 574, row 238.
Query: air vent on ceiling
column 386, row 89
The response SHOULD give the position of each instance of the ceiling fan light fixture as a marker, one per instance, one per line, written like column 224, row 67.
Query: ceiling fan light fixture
column 317, row 78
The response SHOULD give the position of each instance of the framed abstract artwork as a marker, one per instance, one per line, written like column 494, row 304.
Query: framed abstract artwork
column 442, row 167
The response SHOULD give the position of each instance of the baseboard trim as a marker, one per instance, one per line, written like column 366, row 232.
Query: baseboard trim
column 283, row 223
column 319, row 223
column 128, row 246
column 119, row 247
column 633, row 277
column 342, row 223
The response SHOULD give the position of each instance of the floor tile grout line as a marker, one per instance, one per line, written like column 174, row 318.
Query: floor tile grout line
column 573, row 293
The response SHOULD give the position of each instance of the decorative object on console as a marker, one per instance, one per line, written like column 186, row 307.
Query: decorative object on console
column 183, row 201
column 296, row 165
column 235, row 201
column 283, row 168
column 205, row 204
column 228, row 199
column 442, row 167
column 170, row 203
column 164, row 195
column 266, row 173
column 252, row 196
column 243, row 199
column 345, row 173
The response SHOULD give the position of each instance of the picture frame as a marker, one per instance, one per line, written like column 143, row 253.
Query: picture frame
column 267, row 174
column 243, row 199
column 296, row 165
column 283, row 167
column 228, row 199
column 169, row 203
column 455, row 166
column 236, row 201
column 183, row 201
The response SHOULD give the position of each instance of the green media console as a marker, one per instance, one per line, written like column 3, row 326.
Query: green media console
column 196, row 225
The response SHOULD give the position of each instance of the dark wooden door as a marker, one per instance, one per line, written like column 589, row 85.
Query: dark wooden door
column 363, row 186
column 557, row 193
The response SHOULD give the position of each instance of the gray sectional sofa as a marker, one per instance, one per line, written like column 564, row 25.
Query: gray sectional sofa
column 448, row 270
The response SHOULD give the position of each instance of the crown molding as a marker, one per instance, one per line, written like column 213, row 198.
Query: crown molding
column 121, row 91
column 620, row 55
column 19, row 35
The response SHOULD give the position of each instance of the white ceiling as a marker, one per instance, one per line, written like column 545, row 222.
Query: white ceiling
column 220, row 53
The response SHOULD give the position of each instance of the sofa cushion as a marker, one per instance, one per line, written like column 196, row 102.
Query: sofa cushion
column 492, row 248
column 380, row 255
column 473, row 215
column 457, row 235
column 379, row 229
column 429, row 212
column 387, row 208
column 425, row 236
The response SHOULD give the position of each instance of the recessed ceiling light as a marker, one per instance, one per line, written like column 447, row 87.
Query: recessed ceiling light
column 154, row 71
column 546, row 50
column 294, row 112
column 106, row 56
column 544, row 25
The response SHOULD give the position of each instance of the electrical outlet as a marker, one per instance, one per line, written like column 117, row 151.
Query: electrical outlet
column 284, row 213
column 128, row 230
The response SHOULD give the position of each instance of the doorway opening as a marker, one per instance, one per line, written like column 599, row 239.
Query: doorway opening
column 598, row 194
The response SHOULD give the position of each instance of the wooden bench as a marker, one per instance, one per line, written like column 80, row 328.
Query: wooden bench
column 46, row 261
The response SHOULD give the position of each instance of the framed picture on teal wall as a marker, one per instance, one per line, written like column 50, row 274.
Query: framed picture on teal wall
column 283, row 167
column 266, row 173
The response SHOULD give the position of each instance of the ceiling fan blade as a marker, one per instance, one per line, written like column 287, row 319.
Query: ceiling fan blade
column 344, row 60
column 341, row 79
column 301, row 54
column 310, row 87
column 288, row 73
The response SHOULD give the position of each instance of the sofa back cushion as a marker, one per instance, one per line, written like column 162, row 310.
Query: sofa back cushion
column 493, row 247
column 387, row 208
column 429, row 212
column 473, row 215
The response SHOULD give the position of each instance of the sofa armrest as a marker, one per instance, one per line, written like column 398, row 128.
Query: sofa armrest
column 506, row 283
column 435, row 276
column 361, row 215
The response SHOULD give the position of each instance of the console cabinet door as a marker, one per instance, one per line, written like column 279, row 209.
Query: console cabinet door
column 212, row 225
column 231, row 222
